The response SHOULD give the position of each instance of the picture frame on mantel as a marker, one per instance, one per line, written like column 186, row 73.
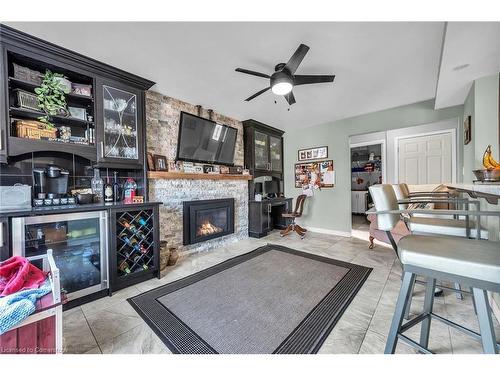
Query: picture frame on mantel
column 160, row 162
column 314, row 153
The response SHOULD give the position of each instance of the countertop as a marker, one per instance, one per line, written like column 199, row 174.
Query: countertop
column 63, row 209
column 483, row 187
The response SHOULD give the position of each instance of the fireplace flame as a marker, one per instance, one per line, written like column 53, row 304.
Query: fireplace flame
column 206, row 228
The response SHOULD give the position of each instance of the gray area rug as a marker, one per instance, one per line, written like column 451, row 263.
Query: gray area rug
column 271, row 300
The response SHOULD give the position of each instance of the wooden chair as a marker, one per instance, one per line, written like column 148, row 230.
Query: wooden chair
column 299, row 206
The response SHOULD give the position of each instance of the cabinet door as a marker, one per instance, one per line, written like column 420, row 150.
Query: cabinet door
column 119, row 123
column 261, row 151
column 4, row 98
column 4, row 239
column 266, row 217
column 275, row 151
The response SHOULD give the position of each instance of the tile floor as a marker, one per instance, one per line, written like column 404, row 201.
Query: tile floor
column 110, row 325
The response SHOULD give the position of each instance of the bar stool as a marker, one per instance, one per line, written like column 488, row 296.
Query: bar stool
column 474, row 263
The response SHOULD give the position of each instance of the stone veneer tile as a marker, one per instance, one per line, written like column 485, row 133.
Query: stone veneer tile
column 162, row 127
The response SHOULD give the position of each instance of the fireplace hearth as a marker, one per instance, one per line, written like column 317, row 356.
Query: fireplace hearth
column 204, row 220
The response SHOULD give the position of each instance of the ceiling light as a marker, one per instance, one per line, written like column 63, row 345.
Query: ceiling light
column 281, row 83
column 282, row 88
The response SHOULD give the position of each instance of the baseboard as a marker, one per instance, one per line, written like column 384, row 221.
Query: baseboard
column 329, row 231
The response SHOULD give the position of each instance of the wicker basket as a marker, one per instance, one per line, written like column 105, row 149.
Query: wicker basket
column 27, row 100
column 34, row 130
column 28, row 75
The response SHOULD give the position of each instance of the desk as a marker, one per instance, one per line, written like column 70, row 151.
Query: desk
column 265, row 215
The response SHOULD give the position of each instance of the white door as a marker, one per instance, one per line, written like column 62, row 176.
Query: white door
column 425, row 159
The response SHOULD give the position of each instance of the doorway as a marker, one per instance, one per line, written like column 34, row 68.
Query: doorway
column 367, row 169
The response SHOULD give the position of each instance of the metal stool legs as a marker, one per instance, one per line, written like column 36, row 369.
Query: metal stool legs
column 425, row 329
column 487, row 330
column 485, row 323
column 397, row 320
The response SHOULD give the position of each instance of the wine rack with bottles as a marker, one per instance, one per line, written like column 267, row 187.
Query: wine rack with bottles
column 135, row 244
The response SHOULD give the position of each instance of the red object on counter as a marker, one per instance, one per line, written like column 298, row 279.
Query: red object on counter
column 17, row 273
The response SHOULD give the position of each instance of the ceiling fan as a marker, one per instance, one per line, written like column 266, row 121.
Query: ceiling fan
column 284, row 78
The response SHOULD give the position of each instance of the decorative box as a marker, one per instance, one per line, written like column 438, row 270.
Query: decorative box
column 33, row 130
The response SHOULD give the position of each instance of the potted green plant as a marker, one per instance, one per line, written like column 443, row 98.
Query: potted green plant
column 51, row 97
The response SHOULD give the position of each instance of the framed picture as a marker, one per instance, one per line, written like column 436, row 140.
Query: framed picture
column 188, row 167
column 467, row 130
column 224, row 170
column 304, row 174
column 198, row 169
column 208, row 169
column 151, row 162
column 160, row 162
column 313, row 153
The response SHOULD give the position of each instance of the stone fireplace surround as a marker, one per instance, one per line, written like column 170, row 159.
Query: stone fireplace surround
column 162, row 126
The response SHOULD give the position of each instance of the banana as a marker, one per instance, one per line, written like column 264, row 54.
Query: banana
column 488, row 161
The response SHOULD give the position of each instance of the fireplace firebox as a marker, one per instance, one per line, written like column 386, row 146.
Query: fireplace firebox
column 204, row 220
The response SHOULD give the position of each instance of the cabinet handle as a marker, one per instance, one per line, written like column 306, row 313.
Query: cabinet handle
column 1, row 139
column 102, row 148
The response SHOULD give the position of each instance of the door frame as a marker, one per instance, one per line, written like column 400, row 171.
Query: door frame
column 454, row 155
column 371, row 143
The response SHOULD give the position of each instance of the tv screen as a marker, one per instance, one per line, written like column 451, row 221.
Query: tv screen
column 202, row 140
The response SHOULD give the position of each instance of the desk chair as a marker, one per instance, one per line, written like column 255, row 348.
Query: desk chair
column 299, row 206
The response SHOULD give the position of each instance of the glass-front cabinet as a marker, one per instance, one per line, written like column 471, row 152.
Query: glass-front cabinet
column 275, row 151
column 120, row 124
column 79, row 245
column 261, row 150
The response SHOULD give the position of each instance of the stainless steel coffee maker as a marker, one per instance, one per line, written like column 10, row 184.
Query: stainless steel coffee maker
column 50, row 182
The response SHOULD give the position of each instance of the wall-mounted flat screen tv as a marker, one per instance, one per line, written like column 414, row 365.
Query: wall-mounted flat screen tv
column 205, row 141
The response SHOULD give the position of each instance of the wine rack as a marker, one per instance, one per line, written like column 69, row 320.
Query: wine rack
column 135, row 248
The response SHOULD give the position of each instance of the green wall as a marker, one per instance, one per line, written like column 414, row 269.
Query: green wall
column 330, row 208
column 469, row 149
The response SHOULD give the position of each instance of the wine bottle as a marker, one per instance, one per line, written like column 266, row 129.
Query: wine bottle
column 124, row 267
column 116, row 188
column 108, row 191
column 141, row 221
column 97, row 185
column 125, row 238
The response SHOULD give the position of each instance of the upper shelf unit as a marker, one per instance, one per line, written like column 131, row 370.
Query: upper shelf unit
column 82, row 126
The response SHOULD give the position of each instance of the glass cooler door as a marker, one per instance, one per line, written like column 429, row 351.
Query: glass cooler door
column 79, row 247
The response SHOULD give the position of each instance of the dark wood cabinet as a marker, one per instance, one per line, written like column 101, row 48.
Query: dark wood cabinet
column 4, row 238
column 119, row 124
column 112, row 130
column 263, row 149
column 134, row 253
column 265, row 216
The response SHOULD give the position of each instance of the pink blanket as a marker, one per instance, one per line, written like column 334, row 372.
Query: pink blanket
column 17, row 273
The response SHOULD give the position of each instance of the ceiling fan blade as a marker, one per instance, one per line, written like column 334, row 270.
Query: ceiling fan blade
column 290, row 98
column 257, row 94
column 251, row 72
column 308, row 79
column 297, row 58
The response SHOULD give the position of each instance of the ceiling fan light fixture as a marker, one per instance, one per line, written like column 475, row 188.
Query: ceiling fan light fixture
column 282, row 88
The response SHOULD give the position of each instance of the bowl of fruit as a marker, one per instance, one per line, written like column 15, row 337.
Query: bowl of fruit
column 491, row 173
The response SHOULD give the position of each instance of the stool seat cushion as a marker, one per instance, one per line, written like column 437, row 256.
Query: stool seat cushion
column 475, row 259
column 447, row 227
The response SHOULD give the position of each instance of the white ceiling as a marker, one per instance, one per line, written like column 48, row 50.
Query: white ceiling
column 476, row 44
column 377, row 65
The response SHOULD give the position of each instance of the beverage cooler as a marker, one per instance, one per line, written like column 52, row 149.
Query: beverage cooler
column 79, row 243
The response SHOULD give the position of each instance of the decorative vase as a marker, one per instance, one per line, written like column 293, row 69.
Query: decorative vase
column 174, row 256
column 164, row 255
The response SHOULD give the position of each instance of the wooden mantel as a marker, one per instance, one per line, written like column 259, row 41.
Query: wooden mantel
column 197, row 176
